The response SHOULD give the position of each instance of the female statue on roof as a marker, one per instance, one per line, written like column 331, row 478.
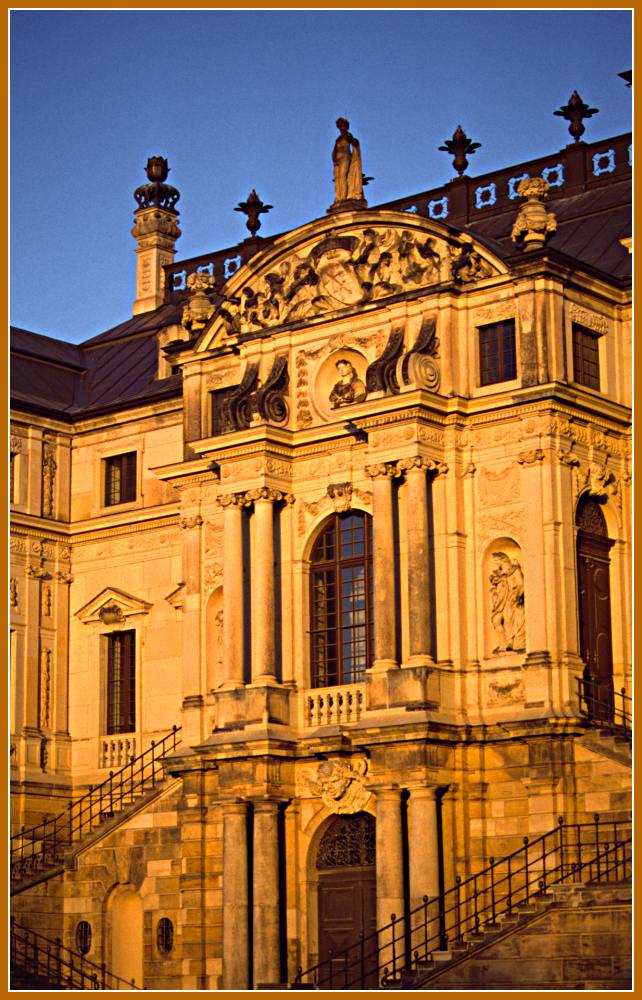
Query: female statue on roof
column 346, row 157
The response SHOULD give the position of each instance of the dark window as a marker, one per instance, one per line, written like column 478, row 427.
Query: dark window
column 586, row 359
column 83, row 937
column 222, row 421
column 176, row 370
column 121, row 682
column 120, row 479
column 341, row 600
column 165, row 935
column 497, row 362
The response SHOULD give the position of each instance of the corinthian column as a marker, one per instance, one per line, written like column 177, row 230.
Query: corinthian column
column 419, row 582
column 267, row 953
column 233, row 623
column 385, row 591
column 235, row 897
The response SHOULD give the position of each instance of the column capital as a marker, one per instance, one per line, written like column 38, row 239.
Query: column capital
column 263, row 805
column 418, row 463
column 268, row 494
column 237, row 807
column 194, row 521
column 383, row 792
column 382, row 469
column 423, row 792
column 229, row 500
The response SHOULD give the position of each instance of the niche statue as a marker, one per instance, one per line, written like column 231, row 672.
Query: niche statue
column 348, row 175
column 507, row 604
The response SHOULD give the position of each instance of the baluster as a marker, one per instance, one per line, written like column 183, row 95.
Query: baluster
column 509, row 895
column 526, row 872
column 362, row 961
column 153, row 764
column 596, row 820
column 492, row 889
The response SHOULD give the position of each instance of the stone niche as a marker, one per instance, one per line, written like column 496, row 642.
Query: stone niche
column 504, row 601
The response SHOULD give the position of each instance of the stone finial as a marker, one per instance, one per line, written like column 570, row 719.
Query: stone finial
column 574, row 112
column 459, row 146
column 155, row 231
column 253, row 207
column 157, row 192
column 533, row 224
column 198, row 308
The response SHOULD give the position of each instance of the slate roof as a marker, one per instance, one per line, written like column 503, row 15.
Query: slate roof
column 117, row 368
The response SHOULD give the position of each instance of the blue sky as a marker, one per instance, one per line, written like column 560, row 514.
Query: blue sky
column 242, row 99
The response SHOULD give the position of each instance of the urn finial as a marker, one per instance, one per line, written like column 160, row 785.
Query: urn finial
column 574, row 112
column 534, row 224
column 459, row 146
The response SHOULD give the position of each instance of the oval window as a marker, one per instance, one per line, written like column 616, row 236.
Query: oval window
column 165, row 935
column 83, row 937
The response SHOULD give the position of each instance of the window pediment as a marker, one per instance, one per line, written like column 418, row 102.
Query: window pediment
column 112, row 607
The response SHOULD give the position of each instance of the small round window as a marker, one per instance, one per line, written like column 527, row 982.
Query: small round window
column 165, row 935
column 83, row 937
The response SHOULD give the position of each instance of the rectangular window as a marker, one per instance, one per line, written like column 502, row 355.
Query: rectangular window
column 497, row 356
column 121, row 682
column 586, row 358
column 120, row 479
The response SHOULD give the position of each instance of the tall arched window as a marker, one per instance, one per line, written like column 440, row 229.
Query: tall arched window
column 341, row 600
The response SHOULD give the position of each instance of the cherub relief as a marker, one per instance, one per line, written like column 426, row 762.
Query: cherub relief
column 340, row 784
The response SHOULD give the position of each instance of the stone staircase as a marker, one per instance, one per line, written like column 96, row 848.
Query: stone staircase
column 575, row 936
column 44, row 851
column 615, row 746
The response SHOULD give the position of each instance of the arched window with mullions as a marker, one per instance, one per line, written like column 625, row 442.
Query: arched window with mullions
column 341, row 600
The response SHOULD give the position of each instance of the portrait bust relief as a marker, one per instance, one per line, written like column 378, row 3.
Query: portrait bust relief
column 349, row 388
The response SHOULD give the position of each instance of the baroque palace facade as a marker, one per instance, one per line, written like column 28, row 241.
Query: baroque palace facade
column 349, row 508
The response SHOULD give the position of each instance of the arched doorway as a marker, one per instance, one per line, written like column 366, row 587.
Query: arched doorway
column 127, row 935
column 594, row 602
column 347, row 892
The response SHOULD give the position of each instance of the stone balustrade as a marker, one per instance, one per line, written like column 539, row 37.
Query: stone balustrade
column 333, row 706
column 116, row 751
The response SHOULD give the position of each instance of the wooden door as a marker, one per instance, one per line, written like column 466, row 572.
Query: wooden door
column 595, row 611
column 347, row 902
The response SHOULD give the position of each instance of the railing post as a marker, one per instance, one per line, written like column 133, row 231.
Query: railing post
column 623, row 696
column 458, row 910
column 393, row 920
column 526, row 872
column 362, row 961
column 71, row 827
column 596, row 820
column 58, row 962
column 542, row 883
column 492, row 888
column 102, row 975
column 153, row 765
column 111, row 792
column 425, row 902
column 560, row 827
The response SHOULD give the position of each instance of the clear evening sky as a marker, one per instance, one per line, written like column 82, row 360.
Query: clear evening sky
column 243, row 99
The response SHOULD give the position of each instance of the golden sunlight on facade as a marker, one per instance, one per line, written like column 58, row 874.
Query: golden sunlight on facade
column 321, row 601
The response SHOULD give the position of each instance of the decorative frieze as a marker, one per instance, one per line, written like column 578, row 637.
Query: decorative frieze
column 584, row 317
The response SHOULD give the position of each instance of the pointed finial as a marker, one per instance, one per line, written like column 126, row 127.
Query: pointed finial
column 574, row 112
column 156, row 192
column 459, row 146
column 253, row 207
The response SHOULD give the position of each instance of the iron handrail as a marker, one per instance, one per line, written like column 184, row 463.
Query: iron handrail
column 42, row 846
column 33, row 954
column 593, row 852
column 614, row 711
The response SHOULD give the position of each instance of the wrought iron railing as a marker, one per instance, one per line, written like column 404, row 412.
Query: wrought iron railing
column 41, row 848
column 605, row 707
column 37, row 957
column 580, row 852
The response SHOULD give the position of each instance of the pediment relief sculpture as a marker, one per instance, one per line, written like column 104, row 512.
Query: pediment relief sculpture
column 346, row 269
column 112, row 607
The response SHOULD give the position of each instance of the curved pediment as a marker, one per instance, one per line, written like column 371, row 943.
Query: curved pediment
column 341, row 265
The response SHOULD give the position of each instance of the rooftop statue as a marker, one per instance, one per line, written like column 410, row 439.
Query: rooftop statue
column 348, row 175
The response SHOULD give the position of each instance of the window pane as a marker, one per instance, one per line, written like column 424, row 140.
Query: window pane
column 121, row 682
